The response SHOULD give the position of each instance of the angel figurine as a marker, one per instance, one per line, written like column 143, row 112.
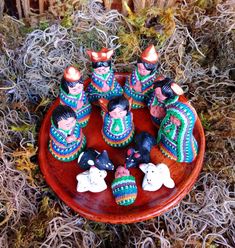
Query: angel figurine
column 66, row 138
column 175, row 136
column 118, row 127
column 73, row 95
column 103, row 83
column 140, row 84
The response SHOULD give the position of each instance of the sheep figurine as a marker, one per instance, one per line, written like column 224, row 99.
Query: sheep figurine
column 91, row 180
column 156, row 176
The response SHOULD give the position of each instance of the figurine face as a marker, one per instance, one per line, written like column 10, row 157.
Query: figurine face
column 102, row 70
column 118, row 113
column 121, row 172
column 159, row 95
column 142, row 70
column 67, row 124
column 77, row 89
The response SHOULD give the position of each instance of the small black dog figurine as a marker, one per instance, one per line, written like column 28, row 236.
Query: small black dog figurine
column 91, row 157
column 141, row 153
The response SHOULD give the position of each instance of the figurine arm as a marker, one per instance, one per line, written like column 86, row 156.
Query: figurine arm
column 59, row 139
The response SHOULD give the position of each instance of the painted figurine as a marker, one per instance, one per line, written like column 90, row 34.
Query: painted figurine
column 141, row 152
column 156, row 176
column 140, row 83
column 91, row 180
column 66, row 138
column 73, row 95
column 124, row 187
column 91, row 157
column 118, row 127
column 103, row 83
column 157, row 100
column 175, row 136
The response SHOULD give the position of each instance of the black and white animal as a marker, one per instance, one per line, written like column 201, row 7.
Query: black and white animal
column 141, row 152
column 91, row 157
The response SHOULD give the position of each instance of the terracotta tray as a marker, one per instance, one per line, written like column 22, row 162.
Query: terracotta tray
column 101, row 207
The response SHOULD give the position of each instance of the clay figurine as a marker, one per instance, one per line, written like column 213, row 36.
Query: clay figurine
column 66, row 138
column 73, row 95
column 175, row 136
column 124, row 187
column 140, row 84
column 91, row 180
column 156, row 176
column 118, row 127
column 103, row 83
column 91, row 157
column 141, row 152
column 162, row 93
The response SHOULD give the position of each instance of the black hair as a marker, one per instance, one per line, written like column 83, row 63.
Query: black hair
column 64, row 84
column 101, row 64
column 119, row 101
column 62, row 112
column 165, row 85
column 148, row 66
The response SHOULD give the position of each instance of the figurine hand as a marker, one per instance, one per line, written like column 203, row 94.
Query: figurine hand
column 71, row 138
column 137, row 87
column 157, row 112
column 175, row 121
column 105, row 88
column 79, row 104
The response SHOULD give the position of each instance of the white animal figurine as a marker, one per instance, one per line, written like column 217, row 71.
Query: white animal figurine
column 91, row 180
column 156, row 176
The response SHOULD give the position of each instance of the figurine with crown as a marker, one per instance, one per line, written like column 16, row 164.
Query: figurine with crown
column 175, row 136
column 103, row 83
column 73, row 95
column 140, row 83
column 66, row 137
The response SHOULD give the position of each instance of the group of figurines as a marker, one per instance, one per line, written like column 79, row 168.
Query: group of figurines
column 145, row 87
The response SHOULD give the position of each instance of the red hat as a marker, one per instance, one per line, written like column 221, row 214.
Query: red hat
column 103, row 55
column 150, row 55
column 72, row 74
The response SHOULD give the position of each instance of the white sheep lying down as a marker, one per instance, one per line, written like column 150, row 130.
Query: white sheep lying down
column 156, row 176
column 91, row 180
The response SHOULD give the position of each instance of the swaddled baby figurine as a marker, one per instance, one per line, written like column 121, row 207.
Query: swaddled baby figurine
column 66, row 138
column 124, row 187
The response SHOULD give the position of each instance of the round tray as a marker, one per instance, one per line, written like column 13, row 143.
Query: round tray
column 101, row 207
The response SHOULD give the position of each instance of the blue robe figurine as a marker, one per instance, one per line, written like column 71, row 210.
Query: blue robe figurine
column 139, row 84
column 66, row 138
column 73, row 95
column 175, row 136
column 103, row 83
column 118, row 127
